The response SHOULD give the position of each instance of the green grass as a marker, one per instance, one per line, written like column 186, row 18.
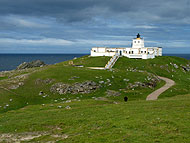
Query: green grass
column 29, row 93
column 89, row 120
column 62, row 72
column 5, row 77
column 165, row 120
column 161, row 66
column 92, row 61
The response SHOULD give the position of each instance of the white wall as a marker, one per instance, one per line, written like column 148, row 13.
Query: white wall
column 138, row 43
column 147, row 52
column 101, row 52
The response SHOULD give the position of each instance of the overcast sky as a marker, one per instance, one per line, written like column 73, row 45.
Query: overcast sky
column 74, row 26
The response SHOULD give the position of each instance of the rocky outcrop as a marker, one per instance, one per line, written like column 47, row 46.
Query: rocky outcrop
column 76, row 88
column 110, row 93
column 150, row 83
column 186, row 68
column 15, row 86
column 32, row 64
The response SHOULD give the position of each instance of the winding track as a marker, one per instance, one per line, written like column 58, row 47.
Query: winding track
column 154, row 95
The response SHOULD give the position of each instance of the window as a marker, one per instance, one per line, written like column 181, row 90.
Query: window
column 94, row 50
column 138, row 41
column 135, row 41
column 145, row 52
column 132, row 52
column 141, row 51
column 129, row 52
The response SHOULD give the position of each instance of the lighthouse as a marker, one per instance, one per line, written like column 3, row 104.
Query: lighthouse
column 136, row 51
column 138, row 42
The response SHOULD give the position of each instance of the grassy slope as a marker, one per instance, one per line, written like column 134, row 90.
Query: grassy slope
column 164, row 120
column 161, row 66
column 92, row 61
column 1, row 78
column 29, row 93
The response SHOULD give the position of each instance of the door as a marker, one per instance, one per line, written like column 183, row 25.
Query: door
column 120, row 53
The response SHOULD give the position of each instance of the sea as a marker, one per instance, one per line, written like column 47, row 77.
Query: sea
column 11, row 61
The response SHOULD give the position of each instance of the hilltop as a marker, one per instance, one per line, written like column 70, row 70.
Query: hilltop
column 71, row 103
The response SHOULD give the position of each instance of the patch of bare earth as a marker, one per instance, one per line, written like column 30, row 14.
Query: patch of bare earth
column 15, row 78
column 29, row 136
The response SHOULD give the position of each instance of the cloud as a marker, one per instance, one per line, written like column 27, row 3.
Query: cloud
column 85, row 23
column 103, row 42
column 25, row 22
column 178, row 44
column 83, row 10
column 146, row 27
column 45, row 41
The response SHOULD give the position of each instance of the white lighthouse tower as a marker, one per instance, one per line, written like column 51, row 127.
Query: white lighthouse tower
column 138, row 42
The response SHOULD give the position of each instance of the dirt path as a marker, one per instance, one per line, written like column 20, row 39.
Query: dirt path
column 154, row 95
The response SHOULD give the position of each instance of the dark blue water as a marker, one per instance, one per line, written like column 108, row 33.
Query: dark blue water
column 11, row 61
column 185, row 56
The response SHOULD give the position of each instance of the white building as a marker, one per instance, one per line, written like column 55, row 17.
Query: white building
column 138, row 50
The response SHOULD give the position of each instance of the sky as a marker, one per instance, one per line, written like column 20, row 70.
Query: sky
column 75, row 26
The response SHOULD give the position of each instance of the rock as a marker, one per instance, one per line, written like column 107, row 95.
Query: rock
column 126, row 80
column 14, row 87
column 74, row 77
column 115, row 102
column 175, row 66
column 76, row 88
column 20, row 83
column 151, row 83
column 173, row 70
column 101, row 98
column 68, row 101
column 185, row 68
column 112, row 93
column 59, row 88
column 67, row 107
column 101, row 82
column 79, row 66
column 59, row 106
column 45, row 81
column 32, row 64
column 41, row 93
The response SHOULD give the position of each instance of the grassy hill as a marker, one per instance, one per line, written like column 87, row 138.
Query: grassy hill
column 25, row 115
